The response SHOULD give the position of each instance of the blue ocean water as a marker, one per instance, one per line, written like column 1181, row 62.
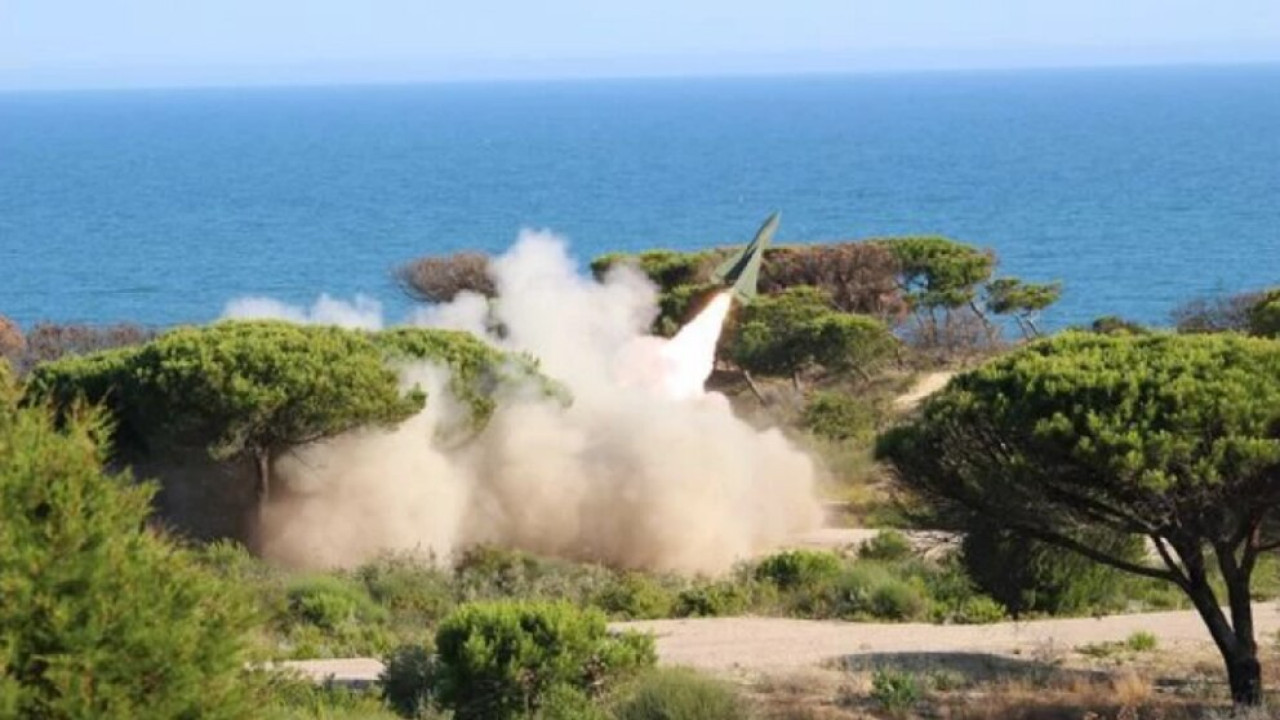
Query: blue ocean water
column 1137, row 188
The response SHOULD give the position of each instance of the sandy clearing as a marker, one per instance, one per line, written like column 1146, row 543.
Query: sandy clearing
column 343, row 671
column 928, row 385
column 766, row 644
column 777, row 645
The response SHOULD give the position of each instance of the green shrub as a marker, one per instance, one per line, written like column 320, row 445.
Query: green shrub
column 292, row 697
column 895, row 691
column 886, row 546
column 330, row 601
column 712, row 599
column 834, row 415
column 101, row 616
column 796, row 568
column 501, row 659
column 1027, row 576
column 1264, row 316
column 897, row 600
column 636, row 596
column 681, row 694
column 797, row 329
column 979, row 610
column 407, row 680
column 408, row 586
column 1141, row 641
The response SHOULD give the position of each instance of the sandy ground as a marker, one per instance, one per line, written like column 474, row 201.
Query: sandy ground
column 928, row 385
column 780, row 644
column 769, row 645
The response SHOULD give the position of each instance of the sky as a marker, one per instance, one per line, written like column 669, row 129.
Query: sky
column 138, row 43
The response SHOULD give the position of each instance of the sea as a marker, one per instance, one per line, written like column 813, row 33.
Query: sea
column 1137, row 188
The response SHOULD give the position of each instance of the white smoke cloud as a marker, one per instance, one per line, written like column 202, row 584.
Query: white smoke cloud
column 644, row 469
column 363, row 312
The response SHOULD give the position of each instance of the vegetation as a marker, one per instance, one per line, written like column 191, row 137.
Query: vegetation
column 248, row 389
column 503, row 660
column 101, row 617
column 441, row 279
column 1030, row 577
column 1134, row 435
column 680, row 694
column 796, row 331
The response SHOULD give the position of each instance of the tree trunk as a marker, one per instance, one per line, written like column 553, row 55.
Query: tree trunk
column 1241, row 658
column 262, row 463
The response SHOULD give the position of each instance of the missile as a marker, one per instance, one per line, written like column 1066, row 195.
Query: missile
column 741, row 272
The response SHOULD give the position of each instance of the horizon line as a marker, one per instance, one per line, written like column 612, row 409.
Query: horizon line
column 586, row 77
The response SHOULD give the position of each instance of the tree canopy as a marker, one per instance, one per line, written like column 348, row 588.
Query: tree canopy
column 102, row 618
column 1175, row 438
column 797, row 330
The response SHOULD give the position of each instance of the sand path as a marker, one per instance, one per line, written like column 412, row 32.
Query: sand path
column 779, row 645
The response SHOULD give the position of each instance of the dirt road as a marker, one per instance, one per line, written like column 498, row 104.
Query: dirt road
column 779, row 644
column 772, row 644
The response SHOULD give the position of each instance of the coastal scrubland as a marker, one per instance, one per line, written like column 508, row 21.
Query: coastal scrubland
column 1097, row 470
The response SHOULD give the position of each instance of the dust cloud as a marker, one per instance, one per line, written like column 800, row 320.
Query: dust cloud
column 643, row 470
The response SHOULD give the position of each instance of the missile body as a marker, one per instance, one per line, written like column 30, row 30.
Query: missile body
column 741, row 272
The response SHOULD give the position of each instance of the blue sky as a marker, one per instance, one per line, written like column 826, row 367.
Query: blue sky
column 103, row 43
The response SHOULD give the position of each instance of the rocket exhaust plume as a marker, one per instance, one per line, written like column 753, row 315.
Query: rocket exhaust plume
column 644, row 470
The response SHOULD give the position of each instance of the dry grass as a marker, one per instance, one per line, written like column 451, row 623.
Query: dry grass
column 991, row 688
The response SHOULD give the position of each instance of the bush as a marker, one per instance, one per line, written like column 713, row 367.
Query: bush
column 798, row 568
column 712, row 599
column 1027, row 576
column 979, row 610
column 1141, row 641
column 407, row 680
column 636, row 596
column 502, row 659
column 681, row 694
column 838, row 416
column 329, row 602
column 886, row 546
column 895, row 691
column 408, row 586
column 101, row 617
column 797, row 329
column 897, row 600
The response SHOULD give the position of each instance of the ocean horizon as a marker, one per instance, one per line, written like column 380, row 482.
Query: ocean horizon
column 1138, row 188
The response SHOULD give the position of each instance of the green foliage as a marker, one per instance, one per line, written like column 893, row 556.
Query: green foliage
column 895, row 691
column 100, row 617
column 939, row 273
column 1141, row 641
column 719, row 598
column 407, row 680
column 1116, row 325
column 290, row 697
column 795, row 330
column 502, row 659
column 476, row 368
column 668, row 269
column 330, row 602
column 244, row 388
column 1133, row 435
column 637, row 596
column 1022, row 300
column 797, row 568
column 1264, row 315
column 979, row 610
column 1157, row 421
column 680, row 694
column 1032, row 577
column 897, row 600
column 887, row 545
column 835, row 415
